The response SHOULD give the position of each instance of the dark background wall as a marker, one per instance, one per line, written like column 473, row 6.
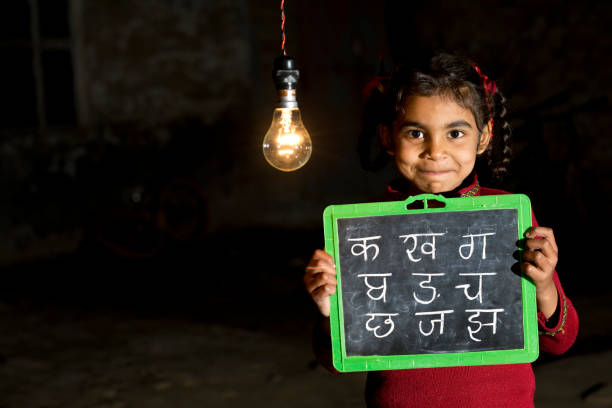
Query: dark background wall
column 130, row 145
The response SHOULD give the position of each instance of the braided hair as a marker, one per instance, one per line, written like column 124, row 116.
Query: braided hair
column 452, row 76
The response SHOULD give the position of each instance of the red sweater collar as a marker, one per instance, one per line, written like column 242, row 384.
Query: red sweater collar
column 396, row 190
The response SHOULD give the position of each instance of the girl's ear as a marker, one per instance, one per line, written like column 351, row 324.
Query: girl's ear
column 386, row 138
column 485, row 138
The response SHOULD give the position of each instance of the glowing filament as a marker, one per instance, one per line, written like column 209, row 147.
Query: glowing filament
column 287, row 144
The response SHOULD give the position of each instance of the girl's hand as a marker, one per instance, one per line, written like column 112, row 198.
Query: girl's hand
column 539, row 261
column 320, row 279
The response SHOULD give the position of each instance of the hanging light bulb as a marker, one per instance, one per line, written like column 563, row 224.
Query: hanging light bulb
column 287, row 145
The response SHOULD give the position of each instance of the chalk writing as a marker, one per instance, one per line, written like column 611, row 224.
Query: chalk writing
column 467, row 285
column 477, row 313
column 388, row 321
column 431, row 245
column 364, row 247
column 433, row 322
column 429, row 283
column 471, row 245
column 382, row 288
column 424, row 286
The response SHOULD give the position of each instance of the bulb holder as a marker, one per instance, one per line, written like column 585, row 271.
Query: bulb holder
column 285, row 73
column 286, row 76
column 286, row 99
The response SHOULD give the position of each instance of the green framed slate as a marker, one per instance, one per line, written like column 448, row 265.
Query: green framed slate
column 430, row 287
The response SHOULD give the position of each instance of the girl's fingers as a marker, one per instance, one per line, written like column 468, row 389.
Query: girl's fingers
column 545, row 234
column 536, row 274
column 540, row 255
column 316, row 280
column 323, row 292
column 320, row 254
column 541, row 249
column 541, row 245
column 321, row 298
column 540, row 259
column 320, row 267
column 320, row 279
column 321, row 261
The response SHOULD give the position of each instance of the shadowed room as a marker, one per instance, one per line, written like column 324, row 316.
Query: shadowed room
column 150, row 255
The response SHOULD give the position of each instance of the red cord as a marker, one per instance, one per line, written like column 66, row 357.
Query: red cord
column 283, row 26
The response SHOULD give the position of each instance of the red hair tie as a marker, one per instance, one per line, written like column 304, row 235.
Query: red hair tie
column 376, row 83
column 489, row 87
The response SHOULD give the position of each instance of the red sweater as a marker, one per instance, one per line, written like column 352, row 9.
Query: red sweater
column 511, row 385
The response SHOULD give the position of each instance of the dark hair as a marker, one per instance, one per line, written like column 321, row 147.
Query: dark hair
column 452, row 76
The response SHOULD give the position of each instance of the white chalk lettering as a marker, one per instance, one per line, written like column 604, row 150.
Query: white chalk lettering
column 433, row 322
column 424, row 286
column 431, row 245
column 471, row 245
column 387, row 321
column 363, row 247
column 466, row 286
column 477, row 312
column 382, row 288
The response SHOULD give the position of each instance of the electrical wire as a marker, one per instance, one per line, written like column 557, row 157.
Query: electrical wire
column 282, row 7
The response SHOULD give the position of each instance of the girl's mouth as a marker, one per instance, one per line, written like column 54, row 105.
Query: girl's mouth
column 435, row 172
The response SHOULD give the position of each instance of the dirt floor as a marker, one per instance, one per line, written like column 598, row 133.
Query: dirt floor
column 62, row 346
column 58, row 357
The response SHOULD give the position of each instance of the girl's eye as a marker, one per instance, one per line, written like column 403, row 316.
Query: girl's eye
column 455, row 134
column 415, row 134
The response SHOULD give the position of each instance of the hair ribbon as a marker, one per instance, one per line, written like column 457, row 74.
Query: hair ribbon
column 490, row 87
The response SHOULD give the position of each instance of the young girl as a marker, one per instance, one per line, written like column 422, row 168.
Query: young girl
column 436, row 122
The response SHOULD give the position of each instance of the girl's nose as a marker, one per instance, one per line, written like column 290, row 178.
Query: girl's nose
column 435, row 148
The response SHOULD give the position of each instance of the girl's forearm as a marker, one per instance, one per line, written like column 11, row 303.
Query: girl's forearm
column 547, row 300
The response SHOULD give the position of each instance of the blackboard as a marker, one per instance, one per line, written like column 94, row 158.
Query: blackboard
column 431, row 287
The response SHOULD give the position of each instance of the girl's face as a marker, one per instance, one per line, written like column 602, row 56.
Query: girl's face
column 435, row 143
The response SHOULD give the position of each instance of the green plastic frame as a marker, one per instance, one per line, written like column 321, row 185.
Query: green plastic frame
column 344, row 363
